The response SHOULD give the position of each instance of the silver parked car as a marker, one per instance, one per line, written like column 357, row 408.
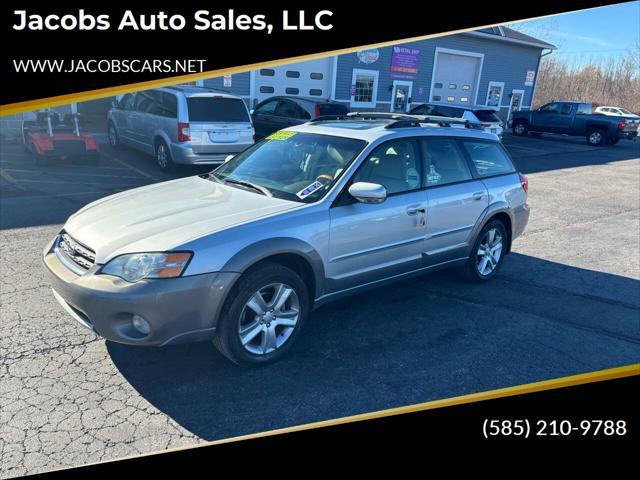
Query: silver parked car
column 181, row 125
column 310, row 214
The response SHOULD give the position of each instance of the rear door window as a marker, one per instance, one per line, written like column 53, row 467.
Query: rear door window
column 444, row 163
column 566, row 109
column 488, row 158
column 217, row 109
column 287, row 109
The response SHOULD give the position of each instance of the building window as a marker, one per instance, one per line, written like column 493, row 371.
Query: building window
column 293, row 74
column 437, row 98
column 464, row 99
column 316, row 76
column 316, row 92
column 438, row 85
column 267, row 72
column 451, row 99
column 466, row 87
column 452, row 86
column 292, row 91
column 364, row 88
column 265, row 89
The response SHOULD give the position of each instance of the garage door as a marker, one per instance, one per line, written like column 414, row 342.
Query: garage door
column 455, row 78
column 306, row 79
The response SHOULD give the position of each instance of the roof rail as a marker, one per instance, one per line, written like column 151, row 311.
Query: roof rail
column 396, row 120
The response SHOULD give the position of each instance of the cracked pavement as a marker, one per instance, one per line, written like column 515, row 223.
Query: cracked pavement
column 567, row 301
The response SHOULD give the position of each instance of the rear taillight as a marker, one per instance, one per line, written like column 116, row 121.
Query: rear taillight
column 621, row 125
column 524, row 181
column 317, row 110
column 184, row 134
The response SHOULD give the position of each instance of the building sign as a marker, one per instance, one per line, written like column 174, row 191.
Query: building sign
column 531, row 74
column 227, row 81
column 404, row 63
column 368, row 56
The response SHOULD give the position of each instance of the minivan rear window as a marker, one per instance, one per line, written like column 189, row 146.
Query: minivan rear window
column 332, row 109
column 486, row 116
column 217, row 109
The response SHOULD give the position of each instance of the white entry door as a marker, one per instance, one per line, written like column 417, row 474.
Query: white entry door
column 516, row 102
column 401, row 96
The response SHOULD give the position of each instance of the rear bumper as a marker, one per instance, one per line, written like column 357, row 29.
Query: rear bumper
column 186, row 154
column 521, row 218
column 179, row 310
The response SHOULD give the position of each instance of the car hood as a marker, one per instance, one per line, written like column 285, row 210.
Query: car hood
column 163, row 216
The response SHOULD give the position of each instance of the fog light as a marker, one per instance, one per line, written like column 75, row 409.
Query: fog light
column 141, row 324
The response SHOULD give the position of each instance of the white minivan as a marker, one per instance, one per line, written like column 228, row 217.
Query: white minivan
column 181, row 125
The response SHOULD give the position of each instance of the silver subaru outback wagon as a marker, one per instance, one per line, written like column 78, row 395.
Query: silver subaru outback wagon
column 181, row 125
column 241, row 255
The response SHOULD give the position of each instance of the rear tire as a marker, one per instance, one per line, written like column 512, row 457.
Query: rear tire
column 520, row 128
column 487, row 253
column 163, row 157
column 249, row 338
column 596, row 137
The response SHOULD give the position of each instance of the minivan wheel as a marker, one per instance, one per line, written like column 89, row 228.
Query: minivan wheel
column 112, row 135
column 487, row 253
column 163, row 157
column 596, row 137
column 520, row 128
column 262, row 316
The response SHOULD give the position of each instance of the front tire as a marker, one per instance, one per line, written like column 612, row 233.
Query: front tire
column 263, row 315
column 487, row 253
column 114, row 138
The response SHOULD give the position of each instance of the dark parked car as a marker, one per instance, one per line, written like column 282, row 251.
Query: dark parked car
column 576, row 119
column 484, row 118
column 276, row 113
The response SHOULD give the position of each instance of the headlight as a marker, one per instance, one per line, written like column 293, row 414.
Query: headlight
column 136, row 266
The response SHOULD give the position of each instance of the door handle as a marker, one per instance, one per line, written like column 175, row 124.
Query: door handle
column 478, row 195
column 418, row 210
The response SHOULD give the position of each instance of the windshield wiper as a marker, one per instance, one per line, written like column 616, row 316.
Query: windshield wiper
column 244, row 183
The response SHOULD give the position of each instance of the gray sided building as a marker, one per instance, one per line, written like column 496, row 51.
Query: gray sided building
column 496, row 67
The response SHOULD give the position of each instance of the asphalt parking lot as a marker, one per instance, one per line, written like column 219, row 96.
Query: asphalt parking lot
column 567, row 301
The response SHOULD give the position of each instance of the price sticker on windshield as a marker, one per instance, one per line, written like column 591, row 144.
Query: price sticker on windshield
column 281, row 135
column 306, row 191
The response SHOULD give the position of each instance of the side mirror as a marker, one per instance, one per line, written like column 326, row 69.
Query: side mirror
column 365, row 192
column 252, row 111
column 115, row 103
column 228, row 157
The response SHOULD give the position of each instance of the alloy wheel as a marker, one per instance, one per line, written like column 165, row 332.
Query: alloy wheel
column 112, row 136
column 268, row 318
column 161, row 156
column 489, row 252
column 595, row 138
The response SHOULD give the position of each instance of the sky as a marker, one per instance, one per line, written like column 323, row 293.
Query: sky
column 599, row 32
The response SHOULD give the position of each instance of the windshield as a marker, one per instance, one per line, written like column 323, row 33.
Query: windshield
column 217, row 109
column 292, row 165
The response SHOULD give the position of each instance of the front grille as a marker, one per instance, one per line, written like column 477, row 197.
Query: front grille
column 73, row 251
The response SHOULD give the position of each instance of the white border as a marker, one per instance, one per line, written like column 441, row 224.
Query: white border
column 515, row 90
column 491, row 84
column 393, row 89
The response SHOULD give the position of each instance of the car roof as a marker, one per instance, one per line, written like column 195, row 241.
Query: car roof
column 471, row 108
column 196, row 91
column 371, row 130
column 303, row 99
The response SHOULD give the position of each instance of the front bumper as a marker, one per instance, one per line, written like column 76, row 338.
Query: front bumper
column 179, row 310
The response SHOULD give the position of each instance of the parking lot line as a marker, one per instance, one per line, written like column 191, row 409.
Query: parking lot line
column 6, row 176
column 130, row 167
column 71, row 174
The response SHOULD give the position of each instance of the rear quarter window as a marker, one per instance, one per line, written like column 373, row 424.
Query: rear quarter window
column 486, row 116
column 488, row 158
column 217, row 109
column 332, row 109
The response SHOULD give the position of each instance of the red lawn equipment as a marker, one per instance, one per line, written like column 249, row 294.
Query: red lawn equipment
column 47, row 137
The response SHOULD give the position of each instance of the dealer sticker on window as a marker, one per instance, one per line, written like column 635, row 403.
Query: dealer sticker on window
column 281, row 135
column 306, row 191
